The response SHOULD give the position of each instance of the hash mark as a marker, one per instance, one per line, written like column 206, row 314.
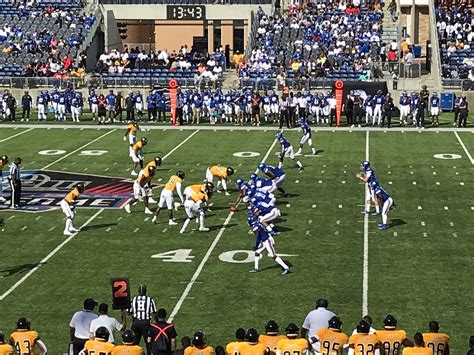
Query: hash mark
column 314, row 206
column 325, row 166
column 51, row 229
column 297, row 181
column 434, row 172
column 322, row 171
column 310, row 221
column 437, row 182
column 118, row 219
column 164, row 230
column 389, row 173
column 11, row 217
column 423, row 223
column 146, row 219
column 37, row 218
column 414, row 182
column 106, row 169
column 345, row 172
column 136, row 230
column 336, row 233
column 446, row 208
column 425, row 234
column 340, row 206
column 390, row 183
column 308, row 232
column 108, row 229
column 85, row 169
column 338, row 222
column 343, row 181
column 455, row 235
column 24, row 228
column 451, row 224
column 288, row 205
column 461, row 183
column 395, row 234
column 420, row 208
column 320, row 182
column 411, row 172
column 457, row 173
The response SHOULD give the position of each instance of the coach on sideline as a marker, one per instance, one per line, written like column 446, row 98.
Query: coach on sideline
column 315, row 320
column 142, row 311
column 80, row 325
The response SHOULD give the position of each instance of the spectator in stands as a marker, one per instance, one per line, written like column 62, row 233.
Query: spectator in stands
column 408, row 63
column 392, row 8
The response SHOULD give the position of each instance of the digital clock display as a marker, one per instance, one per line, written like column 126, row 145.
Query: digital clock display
column 185, row 12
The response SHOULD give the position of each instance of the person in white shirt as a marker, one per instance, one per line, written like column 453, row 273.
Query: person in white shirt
column 104, row 320
column 79, row 326
column 315, row 320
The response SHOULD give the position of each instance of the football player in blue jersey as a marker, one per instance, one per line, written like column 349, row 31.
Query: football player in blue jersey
column 263, row 241
column 306, row 137
column 434, row 104
column 110, row 99
column 369, row 177
column 275, row 174
column 261, row 183
column 378, row 102
column 404, row 108
column 286, row 151
column 93, row 103
column 76, row 107
column 243, row 187
column 61, row 107
column 41, row 106
column 385, row 201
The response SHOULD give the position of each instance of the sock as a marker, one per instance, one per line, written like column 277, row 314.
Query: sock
column 279, row 164
column 68, row 224
column 201, row 219
column 255, row 262
column 313, row 150
column 367, row 206
column 281, row 263
column 384, row 218
column 299, row 151
column 185, row 224
column 377, row 208
column 218, row 184
column 299, row 164
column 224, row 185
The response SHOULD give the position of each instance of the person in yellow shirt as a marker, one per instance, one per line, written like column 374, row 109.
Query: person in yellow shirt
column 136, row 153
column 293, row 343
column 332, row 339
column 221, row 173
column 166, row 197
column 391, row 339
column 128, row 347
column 419, row 347
column 436, row 341
column 196, row 203
column 271, row 336
column 3, row 163
column 5, row 349
column 25, row 340
column 252, row 346
column 131, row 133
column 199, row 346
column 362, row 342
column 98, row 345
column 139, row 189
column 68, row 208
column 156, row 162
column 234, row 347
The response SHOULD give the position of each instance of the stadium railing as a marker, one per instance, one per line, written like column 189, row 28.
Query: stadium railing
column 149, row 82
column 42, row 82
column 252, row 33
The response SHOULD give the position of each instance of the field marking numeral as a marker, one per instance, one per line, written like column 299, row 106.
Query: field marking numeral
column 246, row 154
column 93, row 152
column 447, row 156
column 229, row 256
column 51, row 152
column 175, row 256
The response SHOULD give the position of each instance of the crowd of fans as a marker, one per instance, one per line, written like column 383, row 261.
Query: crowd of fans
column 456, row 38
column 318, row 39
column 45, row 40
column 321, row 332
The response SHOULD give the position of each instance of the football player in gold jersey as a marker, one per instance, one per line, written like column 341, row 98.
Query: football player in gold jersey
column 156, row 162
column 199, row 346
column 234, row 347
column 252, row 346
column 271, row 336
column 68, row 208
column 419, row 347
column 25, row 340
column 3, row 163
column 136, row 153
column 7, row 349
column 332, row 339
column 436, row 341
column 391, row 339
column 128, row 347
column 293, row 343
column 98, row 345
column 140, row 184
column 197, row 197
column 364, row 343
column 166, row 196
column 131, row 133
column 221, row 173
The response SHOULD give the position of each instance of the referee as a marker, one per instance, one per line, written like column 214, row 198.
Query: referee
column 142, row 311
column 15, row 183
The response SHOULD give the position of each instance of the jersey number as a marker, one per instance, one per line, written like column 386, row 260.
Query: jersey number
column 388, row 349
column 366, row 349
column 95, row 352
column 122, row 289
column 26, row 344
column 328, row 349
column 436, row 349
column 295, row 352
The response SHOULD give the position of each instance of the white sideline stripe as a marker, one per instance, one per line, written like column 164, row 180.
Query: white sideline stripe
column 16, row 135
column 47, row 257
column 60, row 246
column 464, row 147
column 365, row 272
column 204, row 260
column 78, row 149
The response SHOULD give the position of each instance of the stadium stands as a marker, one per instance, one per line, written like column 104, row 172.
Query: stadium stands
column 186, row 2
column 456, row 39
column 42, row 39
column 318, row 41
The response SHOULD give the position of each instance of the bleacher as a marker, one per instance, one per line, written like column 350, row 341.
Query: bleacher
column 36, row 30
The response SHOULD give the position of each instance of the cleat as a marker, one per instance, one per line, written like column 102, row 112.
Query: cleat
column 383, row 227
column 148, row 211
column 227, row 193
column 286, row 271
column 172, row 223
column 74, row 230
column 133, row 173
column 253, row 270
column 68, row 233
column 127, row 208
column 182, row 231
column 3, row 199
column 153, row 220
column 152, row 200
column 301, row 168
column 203, row 229
column 176, row 205
column 375, row 214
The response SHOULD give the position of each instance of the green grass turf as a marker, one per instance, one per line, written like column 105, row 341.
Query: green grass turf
column 416, row 276
column 445, row 119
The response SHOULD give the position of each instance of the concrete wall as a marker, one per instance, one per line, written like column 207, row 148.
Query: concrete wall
column 416, row 19
column 112, row 40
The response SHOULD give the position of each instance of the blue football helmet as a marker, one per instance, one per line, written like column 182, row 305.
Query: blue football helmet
column 365, row 164
column 262, row 167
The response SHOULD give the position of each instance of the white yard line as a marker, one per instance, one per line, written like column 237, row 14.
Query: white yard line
column 76, row 150
column 365, row 267
column 464, row 147
column 16, row 135
column 47, row 257
column 179, row 145
column 204, row 260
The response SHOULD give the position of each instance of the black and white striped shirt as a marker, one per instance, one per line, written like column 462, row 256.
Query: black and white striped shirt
column 14, row 172
column 143, row 307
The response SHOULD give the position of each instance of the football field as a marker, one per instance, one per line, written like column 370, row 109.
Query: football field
column 419, row 269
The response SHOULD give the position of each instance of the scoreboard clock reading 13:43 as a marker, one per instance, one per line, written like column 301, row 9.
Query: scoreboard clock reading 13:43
column 185, row 12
